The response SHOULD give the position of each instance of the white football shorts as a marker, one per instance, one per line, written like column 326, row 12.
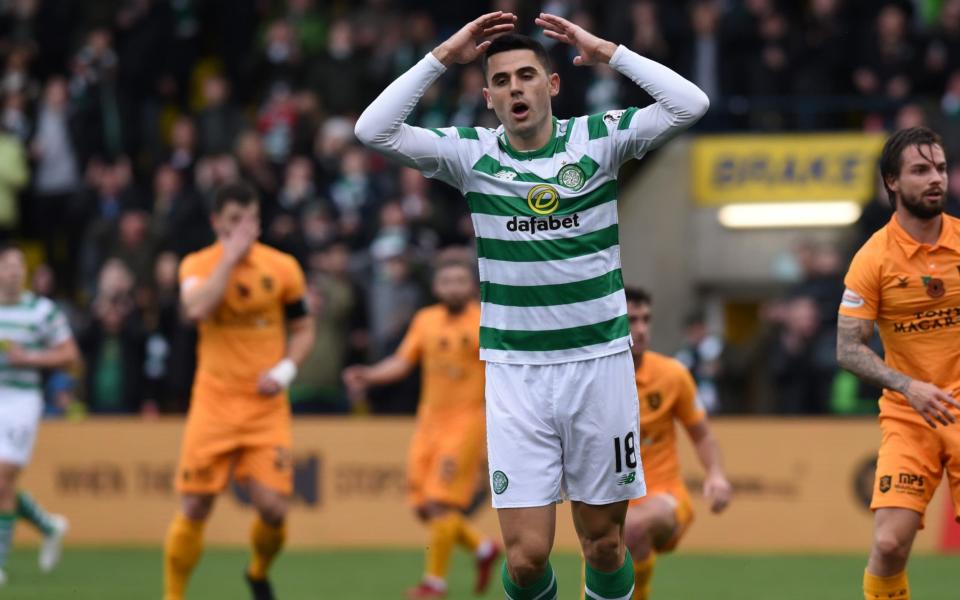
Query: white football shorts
column 20, row 412
column 566, row 430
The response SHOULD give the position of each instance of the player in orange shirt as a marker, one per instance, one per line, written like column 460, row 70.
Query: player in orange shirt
column 905, row 281
column 248, row 301
column 667, row 393
column 448, row 450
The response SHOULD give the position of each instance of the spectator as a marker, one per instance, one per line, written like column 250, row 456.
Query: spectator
column 341, row 95
column 277, row 121
column 94, row 95
column 310, row 27
column 212, row 172
column 168, row 346
column 395, row 295
column 942, row 56
column 889, row 57
column 182, row 155
column 355, row 196
column 14, row 118
column 339, row 306
column 701, row 59
column 701, row 354
column 219, row 122
column 14, row 174
column 254, row 166
column 178, row 221
column 795, row 361
column 820, row 60
column 280, row 61
column 56, row 182
column 113, row 345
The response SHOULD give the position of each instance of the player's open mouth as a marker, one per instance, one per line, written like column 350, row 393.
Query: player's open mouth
column 519, row 110
column 933, row 194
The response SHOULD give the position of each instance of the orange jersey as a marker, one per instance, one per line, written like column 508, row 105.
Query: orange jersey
column 912, row 291
column 448, row 348
column 667, row 393
column 246, row 334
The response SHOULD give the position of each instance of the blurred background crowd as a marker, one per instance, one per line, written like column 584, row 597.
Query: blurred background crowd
column 120, row 117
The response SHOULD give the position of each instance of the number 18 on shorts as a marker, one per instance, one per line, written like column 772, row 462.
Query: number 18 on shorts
column 566, row 430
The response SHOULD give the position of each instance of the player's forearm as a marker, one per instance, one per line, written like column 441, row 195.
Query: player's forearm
column 300, row 340
column 683, row 102
column 389, row 370
column 863, row 362
column 708, row 451
column 706, row 446
column 854, row 355
column 63, row 356
column 381, row 124
column 203, row 298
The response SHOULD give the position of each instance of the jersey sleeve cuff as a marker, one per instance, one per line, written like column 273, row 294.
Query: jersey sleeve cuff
column 434, row 63
column 617, row 57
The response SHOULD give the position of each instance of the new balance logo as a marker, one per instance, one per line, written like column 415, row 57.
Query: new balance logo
column 533, row 225
column 628, row 478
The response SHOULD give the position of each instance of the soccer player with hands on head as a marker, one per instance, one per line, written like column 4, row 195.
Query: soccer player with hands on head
column 561, row 398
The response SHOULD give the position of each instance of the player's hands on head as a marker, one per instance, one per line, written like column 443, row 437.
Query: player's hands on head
column 237, row 243
column 592, row 50
column 718, row 491
column 932, row 403
column 268, row 386
column 474, row 38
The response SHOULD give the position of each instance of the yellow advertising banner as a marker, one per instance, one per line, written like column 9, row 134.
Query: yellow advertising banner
column 800, row 485
column 785, row 168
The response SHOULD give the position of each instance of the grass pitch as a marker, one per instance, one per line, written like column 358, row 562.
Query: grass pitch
column 135, row 574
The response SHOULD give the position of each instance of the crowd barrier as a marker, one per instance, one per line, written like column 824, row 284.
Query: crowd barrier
column 800, row 486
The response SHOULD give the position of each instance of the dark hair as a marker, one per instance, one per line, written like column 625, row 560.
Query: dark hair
column 891, row 158
column 516, row 41
column 240, row 192
column 637, row 295
column 7, row 245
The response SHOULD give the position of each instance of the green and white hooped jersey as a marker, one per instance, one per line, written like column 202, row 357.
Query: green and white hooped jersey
column 547, row 239
column 35, row 323
column 545, row 220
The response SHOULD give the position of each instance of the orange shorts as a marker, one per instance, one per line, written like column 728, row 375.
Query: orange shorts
column 446, row 457
column 912, row 460
column 682, row 511
column 246, row 436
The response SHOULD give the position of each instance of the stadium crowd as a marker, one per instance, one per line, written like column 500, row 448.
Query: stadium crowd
column 120, row 117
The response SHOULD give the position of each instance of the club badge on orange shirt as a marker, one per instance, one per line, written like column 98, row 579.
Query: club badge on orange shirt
column 935, row 287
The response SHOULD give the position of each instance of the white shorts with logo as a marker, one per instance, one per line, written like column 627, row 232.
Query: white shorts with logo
column 20, row 412
column 566, row 430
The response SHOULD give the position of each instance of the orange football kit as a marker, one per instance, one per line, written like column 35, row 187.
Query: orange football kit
column 667, row 394
column 912, row 292
column 447, row 451
column 231, row 429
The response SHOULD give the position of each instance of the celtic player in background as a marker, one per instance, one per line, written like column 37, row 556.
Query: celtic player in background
column 561, row 400
column 34, row 335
